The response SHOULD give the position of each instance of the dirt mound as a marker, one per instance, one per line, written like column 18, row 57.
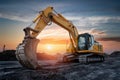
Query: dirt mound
column 45, row 56
column 115, row 54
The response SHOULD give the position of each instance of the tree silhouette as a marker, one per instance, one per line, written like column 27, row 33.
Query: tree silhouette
column 4, row 47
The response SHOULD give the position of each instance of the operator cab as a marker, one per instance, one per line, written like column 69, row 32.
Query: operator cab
column 85, row 41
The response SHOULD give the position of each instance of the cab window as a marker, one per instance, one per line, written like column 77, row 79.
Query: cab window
column 81, row 43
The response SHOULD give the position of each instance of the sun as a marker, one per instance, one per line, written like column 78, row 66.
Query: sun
column 49, row 47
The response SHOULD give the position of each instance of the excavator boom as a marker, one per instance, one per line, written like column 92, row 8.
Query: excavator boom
column 46, row 16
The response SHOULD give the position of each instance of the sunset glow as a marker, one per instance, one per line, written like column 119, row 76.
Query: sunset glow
column 53, row 40
column 52, row 45
column 49, row 47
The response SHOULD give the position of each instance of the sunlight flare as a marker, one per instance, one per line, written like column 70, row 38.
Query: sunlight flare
column 49, row 47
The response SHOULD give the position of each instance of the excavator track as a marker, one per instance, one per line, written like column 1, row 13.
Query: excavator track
column 83, row 58
column 90, row 58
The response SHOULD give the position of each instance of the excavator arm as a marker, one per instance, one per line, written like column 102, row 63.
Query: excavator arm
column 47, row 16
column 26, row 51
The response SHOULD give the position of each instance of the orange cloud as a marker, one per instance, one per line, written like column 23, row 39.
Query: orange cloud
column 54, row 41
column 117, row 39
column 110, row 46
column 52, row 45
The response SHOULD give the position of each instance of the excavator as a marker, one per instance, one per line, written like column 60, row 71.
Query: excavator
column 82, row 47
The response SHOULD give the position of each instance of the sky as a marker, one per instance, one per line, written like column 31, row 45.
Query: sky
column 100, row 18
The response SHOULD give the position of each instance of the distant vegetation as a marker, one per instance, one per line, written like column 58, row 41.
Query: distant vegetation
column 8, row 55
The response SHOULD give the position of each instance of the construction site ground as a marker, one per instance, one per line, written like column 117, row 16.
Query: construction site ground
column 108, row 70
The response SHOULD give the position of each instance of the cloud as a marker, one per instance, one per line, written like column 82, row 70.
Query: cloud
column 95, row 32
column 25, row 11
column 92, row 20
column 79, row 21
column 15, row 17
column 117, row 39
column 54, row 40
column 99, row 26
column 53, row 31
column 27, row 14
column 60, row 33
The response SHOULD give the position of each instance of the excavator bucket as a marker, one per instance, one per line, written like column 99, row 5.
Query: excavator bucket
column 26, row 53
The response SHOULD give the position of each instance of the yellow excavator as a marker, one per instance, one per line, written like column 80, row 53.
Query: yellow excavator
column 82, row 47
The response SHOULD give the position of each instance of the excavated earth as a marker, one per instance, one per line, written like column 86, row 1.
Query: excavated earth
column 108, row 70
